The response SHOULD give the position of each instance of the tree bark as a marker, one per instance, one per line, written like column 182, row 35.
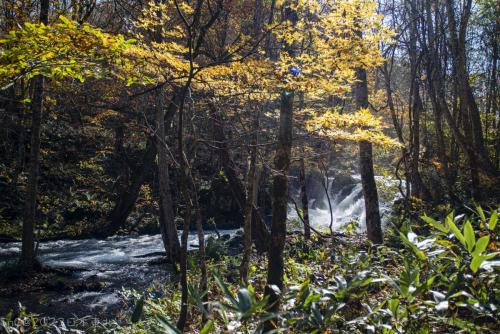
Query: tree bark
column 373, row 223
column 304, row 200
column 275, row 267
column 29, row 219
column 251, row 197
column 167, row 217
column 417, row 186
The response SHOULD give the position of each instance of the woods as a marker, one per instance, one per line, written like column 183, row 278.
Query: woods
column 245, row 134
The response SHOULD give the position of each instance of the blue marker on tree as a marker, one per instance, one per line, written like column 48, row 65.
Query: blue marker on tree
column 295, row 71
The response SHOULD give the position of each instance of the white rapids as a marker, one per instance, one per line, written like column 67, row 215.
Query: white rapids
column 345, row 206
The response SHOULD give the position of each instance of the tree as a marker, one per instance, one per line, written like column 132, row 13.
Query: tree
column 373, row 223
column 167, row 218
column 28, row 244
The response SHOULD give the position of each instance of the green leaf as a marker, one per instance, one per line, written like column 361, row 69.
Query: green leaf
column 393, row 306
column 470, row 238
column 207, row 328
column 481, row 213
column 481, row 245
column 435, row 224
column 455, row 230
column 491, row 255
column 420, row 255
column 167, row 325
column 476, row 262
column 493, row 220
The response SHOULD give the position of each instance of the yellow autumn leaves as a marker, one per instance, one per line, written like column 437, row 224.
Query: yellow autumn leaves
column 359, row 126
column 60, row 50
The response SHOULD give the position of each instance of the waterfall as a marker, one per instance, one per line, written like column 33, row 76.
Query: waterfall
column 347, row 204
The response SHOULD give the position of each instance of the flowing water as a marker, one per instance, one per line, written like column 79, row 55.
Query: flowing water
column 345, row 203
column 97, row 270
column 94, row 273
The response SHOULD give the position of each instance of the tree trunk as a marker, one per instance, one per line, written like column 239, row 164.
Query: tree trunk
column 373, row 223
column 252, row 189
column 275, row 267
column 167, row 217
column 29, row 219
column 417, row 186
column 188, row 204
column 304, row 200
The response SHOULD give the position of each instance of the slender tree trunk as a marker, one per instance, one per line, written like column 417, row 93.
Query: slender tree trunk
column 304, row 200
column 417, row 186
column 373, row 223
column 398, row 127
column 275, row 264
column 251, row 196
column 167, row 217
column 390, row 103
column 183, row 268
column 203, row 284
column 275, row 267
column 185, row 171
column 28, row 242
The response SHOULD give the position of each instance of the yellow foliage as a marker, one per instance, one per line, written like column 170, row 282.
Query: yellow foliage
column 63, row 49
column 359, row 126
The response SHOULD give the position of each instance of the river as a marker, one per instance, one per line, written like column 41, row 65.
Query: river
column 95, row 272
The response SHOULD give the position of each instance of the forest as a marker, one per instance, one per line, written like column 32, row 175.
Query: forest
column 249, row 166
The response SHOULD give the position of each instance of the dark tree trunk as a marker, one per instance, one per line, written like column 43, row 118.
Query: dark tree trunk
column 29, row 219
column 275, row 267
column 167, row 216
column 417, row 185
column 417, row 188
column 184, row 169
column 373, row 223
column 304, row 200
